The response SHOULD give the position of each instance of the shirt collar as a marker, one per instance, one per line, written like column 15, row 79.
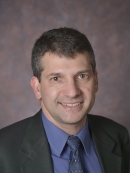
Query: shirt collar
column 57, row 138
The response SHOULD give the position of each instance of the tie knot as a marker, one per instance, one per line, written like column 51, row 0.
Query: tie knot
column 73, row 142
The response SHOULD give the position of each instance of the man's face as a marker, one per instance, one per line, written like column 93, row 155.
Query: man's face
column 67, row 89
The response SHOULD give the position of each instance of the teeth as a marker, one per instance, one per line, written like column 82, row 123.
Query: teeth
column 69, row 104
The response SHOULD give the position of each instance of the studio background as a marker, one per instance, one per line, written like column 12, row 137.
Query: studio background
column 106, row 24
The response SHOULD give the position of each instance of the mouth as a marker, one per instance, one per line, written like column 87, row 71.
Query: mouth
column 71, row 106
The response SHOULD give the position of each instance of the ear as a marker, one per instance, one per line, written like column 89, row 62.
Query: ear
column 96, row 80
column 36, row 87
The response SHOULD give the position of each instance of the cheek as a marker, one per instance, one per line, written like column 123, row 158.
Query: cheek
column 89, row 90
column 49, row 93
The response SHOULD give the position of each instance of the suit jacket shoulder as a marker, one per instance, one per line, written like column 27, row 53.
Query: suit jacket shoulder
column 111, row 142
column 24, row 147
column 111, row 127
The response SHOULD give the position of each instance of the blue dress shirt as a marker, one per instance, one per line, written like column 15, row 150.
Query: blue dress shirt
column 60, row 151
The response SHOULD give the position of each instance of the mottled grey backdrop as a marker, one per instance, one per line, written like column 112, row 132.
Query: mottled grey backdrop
column 107, row 25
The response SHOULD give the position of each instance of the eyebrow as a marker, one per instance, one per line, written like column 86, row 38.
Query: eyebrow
column 84, row 71
column 53, row 74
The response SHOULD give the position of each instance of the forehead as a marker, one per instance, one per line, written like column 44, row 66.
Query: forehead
column 53, row 61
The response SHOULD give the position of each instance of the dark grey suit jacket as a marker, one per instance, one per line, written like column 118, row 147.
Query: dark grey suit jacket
column 24, row 147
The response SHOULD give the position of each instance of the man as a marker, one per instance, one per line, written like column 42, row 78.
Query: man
column 65, row 81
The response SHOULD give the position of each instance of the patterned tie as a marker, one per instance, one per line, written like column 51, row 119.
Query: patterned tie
column 75, row 165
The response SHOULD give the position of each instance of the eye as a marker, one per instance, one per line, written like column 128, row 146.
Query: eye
column 55, row 78
column 83, row 76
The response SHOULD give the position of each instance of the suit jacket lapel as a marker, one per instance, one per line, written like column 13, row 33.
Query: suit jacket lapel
column 35, row 148
column 104, row 145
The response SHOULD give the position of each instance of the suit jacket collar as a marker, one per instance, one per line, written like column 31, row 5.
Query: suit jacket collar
column 36, row 149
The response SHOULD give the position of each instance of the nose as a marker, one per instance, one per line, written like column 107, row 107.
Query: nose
column 71, row 89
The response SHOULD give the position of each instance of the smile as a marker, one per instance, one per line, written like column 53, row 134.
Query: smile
column 71, row 104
